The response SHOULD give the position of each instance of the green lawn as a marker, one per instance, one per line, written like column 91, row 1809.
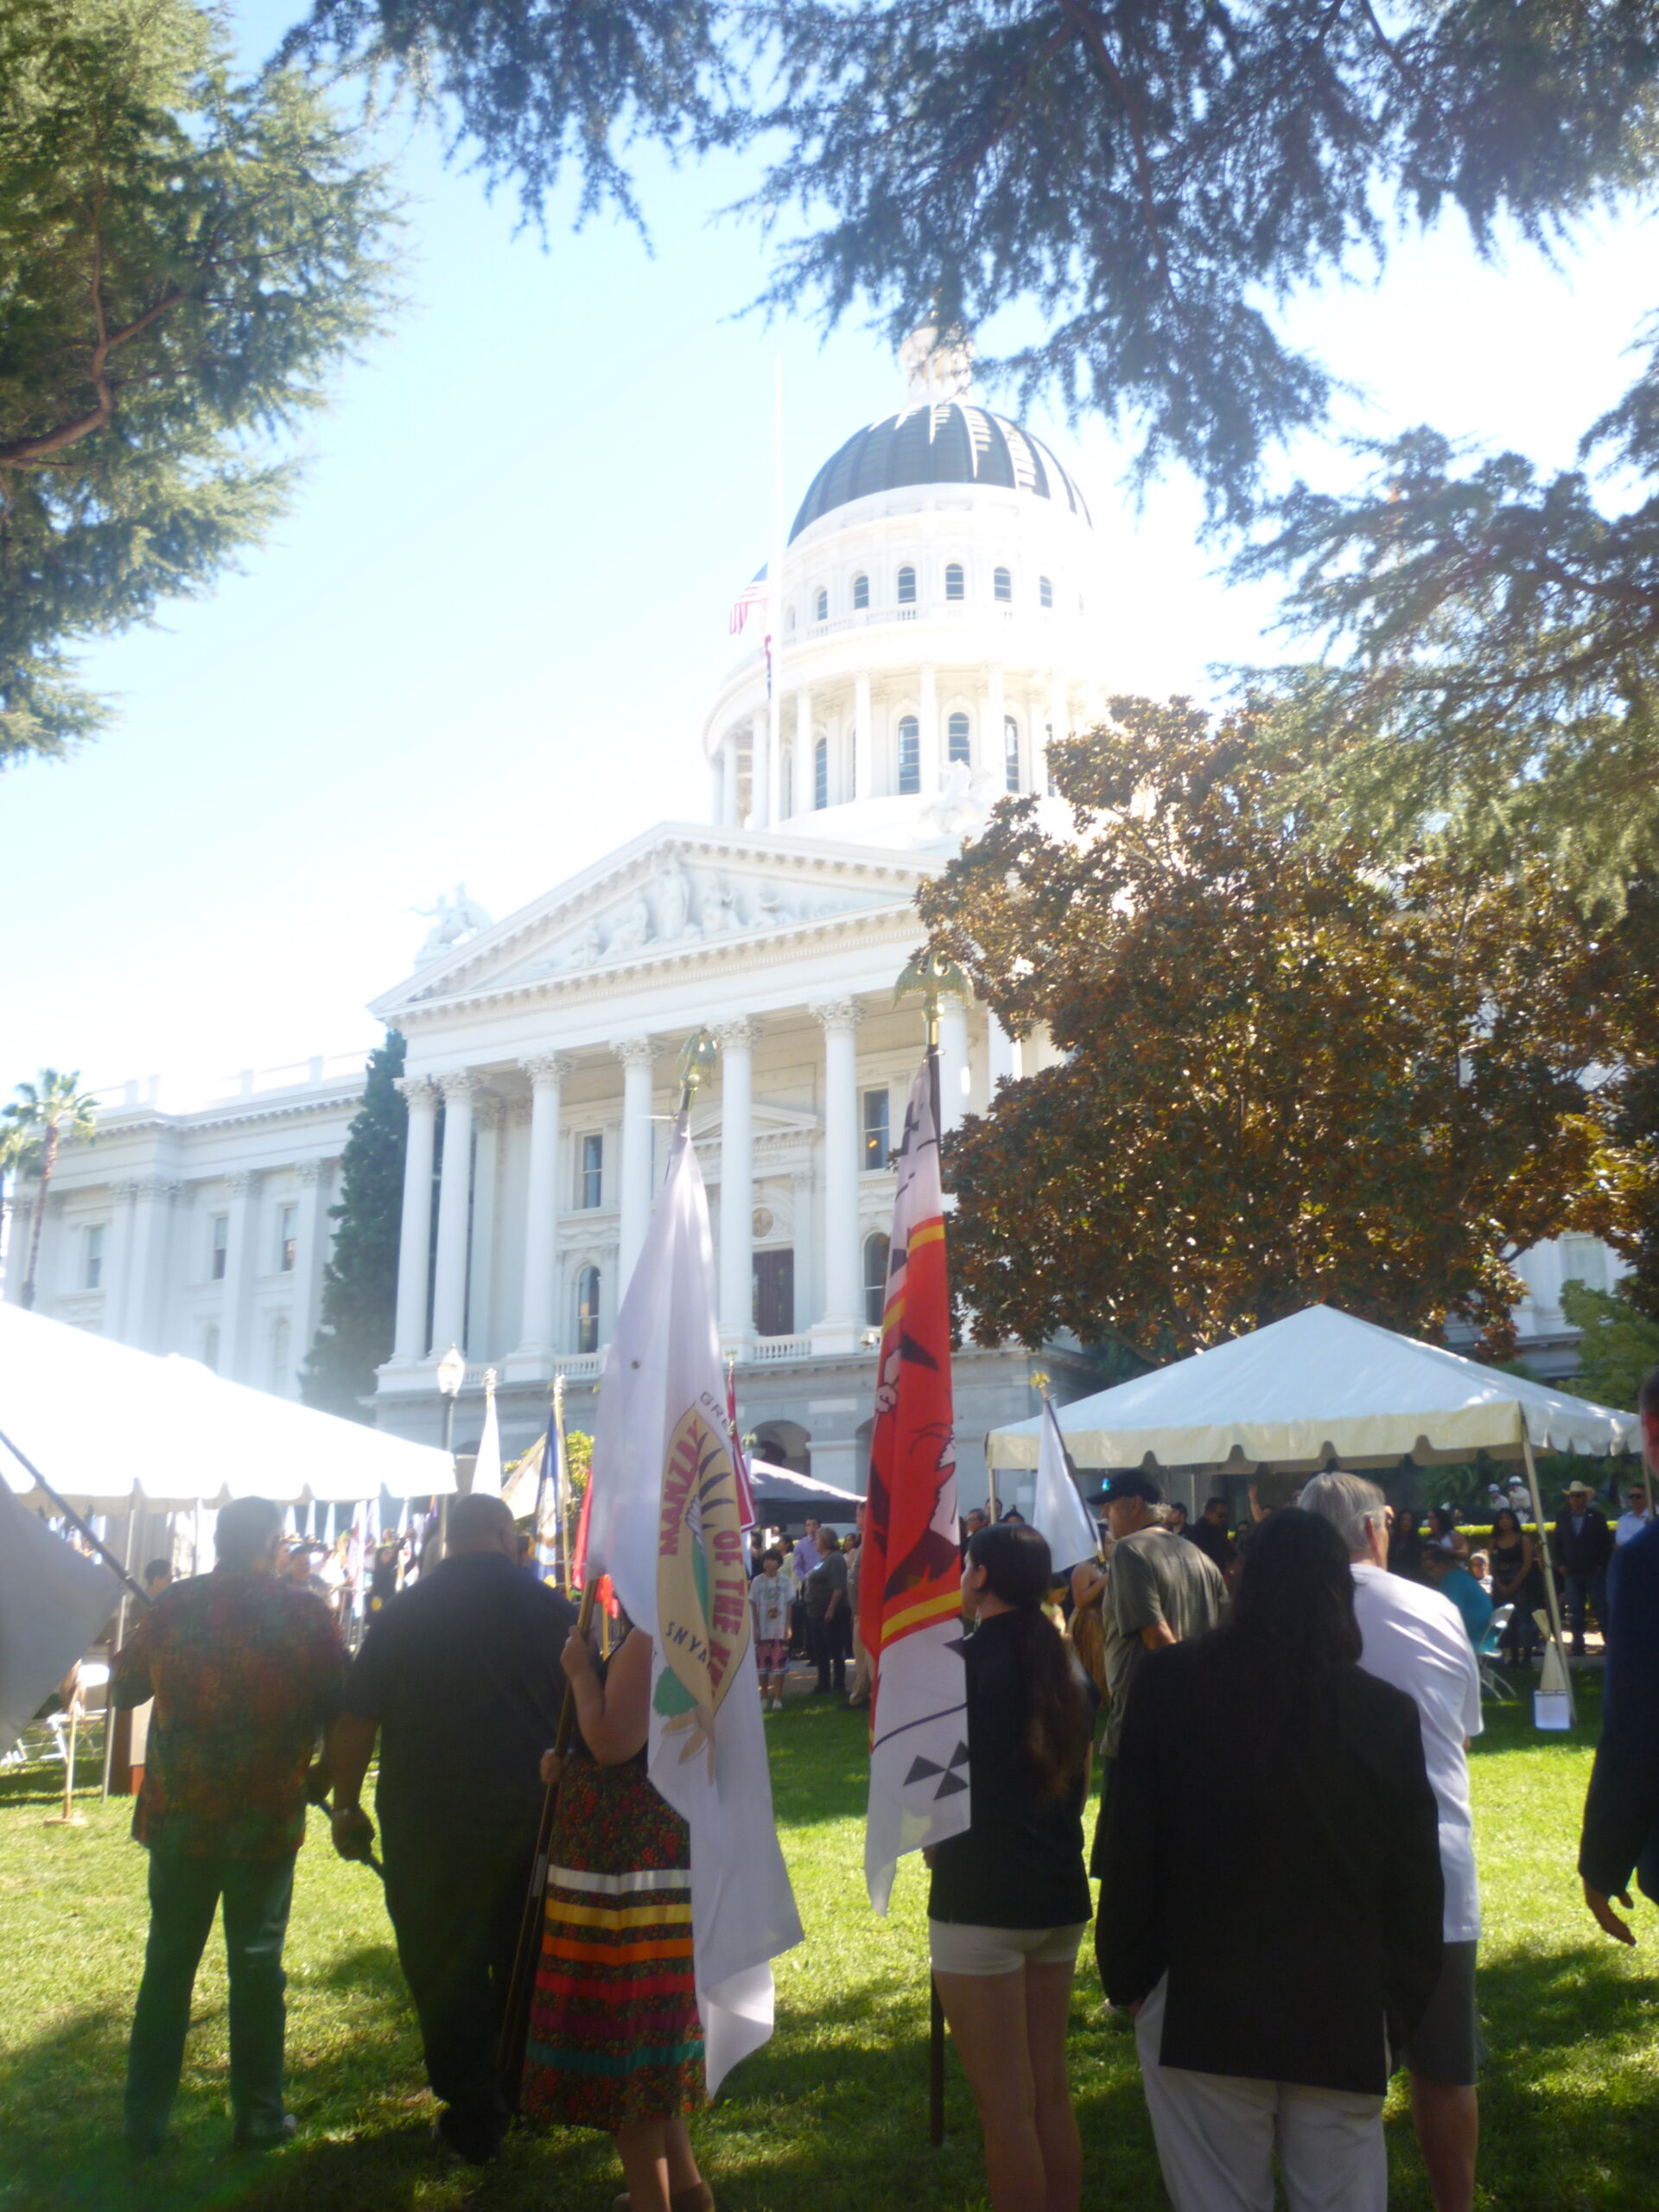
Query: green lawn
column 834, row 2111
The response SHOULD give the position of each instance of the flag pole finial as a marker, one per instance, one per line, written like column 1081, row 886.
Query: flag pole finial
column 696, row 1058
column 1039, row 1383
column 932, row 975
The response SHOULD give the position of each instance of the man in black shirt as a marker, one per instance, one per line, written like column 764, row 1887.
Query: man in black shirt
column 1209, row 1533
column 1583, row 1544
column 460, row 1677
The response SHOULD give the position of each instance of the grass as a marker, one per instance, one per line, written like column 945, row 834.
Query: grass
column 833, row 2110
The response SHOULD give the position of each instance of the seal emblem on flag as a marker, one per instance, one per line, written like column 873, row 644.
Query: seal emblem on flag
column 702, row 1594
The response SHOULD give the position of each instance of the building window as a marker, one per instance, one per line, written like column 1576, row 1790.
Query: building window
column 1001, row 585
column 1045, row 592
column 906, row 587
column 587, row 1310
column 910, row 754
column 220, row 1247
column 1011, row 751
column 821, row 772
column 955, row 584
column 287, row 1238
column 279, row 1354
column 789, row 623
column 822, row 607
column 875, row 1281
column 860, row 592
column 958, row 747
column 1584, row 1259
column 774, row 1294
column 91, row 1271
column 877, row 1137
column 590, row 1180
column 210, row 1347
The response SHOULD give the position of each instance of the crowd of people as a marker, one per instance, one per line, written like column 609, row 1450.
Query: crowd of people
column 1289, row 1911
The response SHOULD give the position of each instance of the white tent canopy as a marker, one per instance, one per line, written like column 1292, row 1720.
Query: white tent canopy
column 783, row 1486
column 1320, row 1385
column 98, row 1418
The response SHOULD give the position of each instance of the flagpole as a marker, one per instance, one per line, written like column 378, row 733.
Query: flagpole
column 70, row 1514
column 561, row 1545
column 775, row 580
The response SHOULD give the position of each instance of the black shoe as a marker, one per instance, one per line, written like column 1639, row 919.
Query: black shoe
column 265, row 2134
column 476, row 2145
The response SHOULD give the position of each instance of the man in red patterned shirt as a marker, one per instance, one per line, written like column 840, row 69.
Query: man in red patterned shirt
column 245, row 1670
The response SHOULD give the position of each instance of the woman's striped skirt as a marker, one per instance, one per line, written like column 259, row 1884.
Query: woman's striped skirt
column 615, row 2036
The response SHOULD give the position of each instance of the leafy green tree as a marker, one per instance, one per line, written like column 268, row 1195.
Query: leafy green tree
column 184, row 259
column 1637, row 1131
column 1289, row 1074
column 1617, row 1346
column 40, row 1118
column 359, row 1283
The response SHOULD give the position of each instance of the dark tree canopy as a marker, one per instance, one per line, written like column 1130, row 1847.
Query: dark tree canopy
column 1290, row 1073
column 359, row 1284
column 183, row 261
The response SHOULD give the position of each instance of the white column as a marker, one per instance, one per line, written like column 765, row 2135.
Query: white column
column 927, row 716
column 636, row 1054
column 539, row 1332
column 1002, row 1054
column 837, row 1327
column 953, row 1059
column 775, row 761
column 309, row 1259
column 1060, row 726
column 239, row 1275
column 803, row 1190
column 800, row 797
column 117, row 1249
column 759, row 771
column 454, row 1180
column 19, row 1220
column 863, row 741
column 150, row 1220
column 480, row 1272
column 996, row 710
column 415, row 1239
column 728, row 780
column 736, row 1040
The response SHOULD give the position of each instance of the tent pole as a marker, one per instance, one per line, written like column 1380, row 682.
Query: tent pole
column 1552, row 1596
column 133, row 1512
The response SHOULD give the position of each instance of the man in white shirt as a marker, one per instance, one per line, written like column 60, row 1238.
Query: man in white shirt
column 1415, row 1639
column 1632, row 1522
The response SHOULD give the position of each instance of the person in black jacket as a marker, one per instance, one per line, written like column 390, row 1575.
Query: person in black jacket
column 1271, row 1907
column 1009, row 1900
column 1583, row 1544
column 1621, row 1812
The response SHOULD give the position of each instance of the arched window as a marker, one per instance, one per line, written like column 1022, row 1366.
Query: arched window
column 1001, row 585
column 821, row 772
column 906, row 587
column 955, row 584
column 875, row 1281
column 1045, row 592
column 821, row 605
column 1011, row 751
column 860, row 593
column 587, row 1310
column 957, row 744
column 910, row 754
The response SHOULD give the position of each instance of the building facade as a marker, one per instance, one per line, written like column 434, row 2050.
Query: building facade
column 939, row 596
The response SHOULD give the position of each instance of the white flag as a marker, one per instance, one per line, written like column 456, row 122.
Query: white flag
column 487, row 1468
column 53, row 1603
column 664, row 1523
column 1057, row 1512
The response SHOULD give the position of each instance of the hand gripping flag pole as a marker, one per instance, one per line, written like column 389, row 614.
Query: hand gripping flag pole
column 910, row 1602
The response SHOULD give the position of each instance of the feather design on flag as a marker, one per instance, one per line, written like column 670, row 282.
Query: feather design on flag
column 910, row 1582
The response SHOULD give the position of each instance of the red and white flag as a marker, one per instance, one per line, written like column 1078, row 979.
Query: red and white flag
column 910, row 1579
column 753, row 594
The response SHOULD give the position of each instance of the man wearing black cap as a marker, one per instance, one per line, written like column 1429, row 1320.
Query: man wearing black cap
column 1159, row 1590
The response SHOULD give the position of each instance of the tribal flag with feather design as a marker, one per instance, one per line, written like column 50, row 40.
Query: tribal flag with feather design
column 910, row 1579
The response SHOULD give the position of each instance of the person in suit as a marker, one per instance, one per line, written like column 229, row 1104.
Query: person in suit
column 1621, row 1809
column 1583, row 1544
column 1262, row 1764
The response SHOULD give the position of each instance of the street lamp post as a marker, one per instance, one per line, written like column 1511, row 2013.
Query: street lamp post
column 452, row 1373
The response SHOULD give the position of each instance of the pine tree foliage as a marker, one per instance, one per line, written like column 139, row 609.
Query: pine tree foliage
column 184, row 260
column 359, row 1283
column 1291, row 1072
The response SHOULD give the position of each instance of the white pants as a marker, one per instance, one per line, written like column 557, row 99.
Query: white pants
column 1217, row 2134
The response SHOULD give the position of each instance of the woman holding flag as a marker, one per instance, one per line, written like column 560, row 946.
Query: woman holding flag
column 615, row 2041
column 1009, row 1900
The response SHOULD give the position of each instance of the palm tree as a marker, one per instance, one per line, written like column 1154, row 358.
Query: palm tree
column 32, row 1128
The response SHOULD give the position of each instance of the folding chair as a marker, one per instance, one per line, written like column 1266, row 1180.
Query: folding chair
column 1492, row 1684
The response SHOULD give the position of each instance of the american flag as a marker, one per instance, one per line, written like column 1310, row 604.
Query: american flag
column 753, row 594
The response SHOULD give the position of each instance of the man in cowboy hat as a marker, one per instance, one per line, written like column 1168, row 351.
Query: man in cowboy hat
column 1583, row 1544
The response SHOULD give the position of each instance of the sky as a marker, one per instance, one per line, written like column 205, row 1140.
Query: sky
column 480, row 646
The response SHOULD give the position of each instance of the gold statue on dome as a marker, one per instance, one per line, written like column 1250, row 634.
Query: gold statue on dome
column 938, row 364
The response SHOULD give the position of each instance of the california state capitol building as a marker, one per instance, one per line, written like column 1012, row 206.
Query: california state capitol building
column 946, row 617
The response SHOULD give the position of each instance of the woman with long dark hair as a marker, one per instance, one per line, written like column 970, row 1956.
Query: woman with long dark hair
column 1271, row 1911
column 1009, row 1900
column 1515, row 1581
